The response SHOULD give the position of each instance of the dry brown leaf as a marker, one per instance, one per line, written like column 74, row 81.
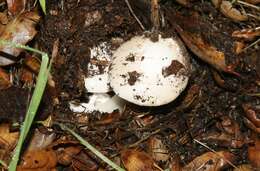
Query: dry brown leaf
column 16, row 6
column 33, row 63
column 252, row 1
column 135, row 160
column 175, row 164
column 83, row 162
column 203, row 38
column 38, row 160
column 254, row 153
column 203, row 50
column 4, row 79
column 210, row 161
column 66, row 154
column 252, row 114
column 7, row 139
column 20, row 30
column 229, row 11
column 109, row 118
column 40, row 140
column 157, row 149
column 26, row 76
column 247, row 34
column 244, row 167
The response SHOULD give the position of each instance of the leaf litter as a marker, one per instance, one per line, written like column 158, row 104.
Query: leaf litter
column 220, row 106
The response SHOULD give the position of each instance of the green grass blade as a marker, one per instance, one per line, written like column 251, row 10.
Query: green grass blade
column 91, row 148
column 43, row 5
column 34, row 103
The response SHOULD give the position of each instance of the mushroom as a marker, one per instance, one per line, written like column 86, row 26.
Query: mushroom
column 96, row 80
column 149, row 73
column 100, row 102
column 97, row 84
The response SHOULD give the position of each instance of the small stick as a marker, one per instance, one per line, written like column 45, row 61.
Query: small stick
column 204, row 145
column 248, row 5
column 155, row 15
column 132, row 12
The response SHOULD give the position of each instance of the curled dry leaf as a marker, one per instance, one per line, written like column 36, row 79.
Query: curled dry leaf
column 247, row 34
column 254, row 153
column 40, row 140
column 157, row 149
column 135, row 160
column 4, row 79
column 229, row 11
column 38, row 160
column 251, row 118
column 65, row 155
column 252, row 114
column 202, row 38
column 204, row 50
column 16, row 6
column 210, row 161
column 20, row 30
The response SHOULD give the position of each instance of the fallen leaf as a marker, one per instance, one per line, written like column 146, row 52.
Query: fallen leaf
column 20, row 30
column 66, row 154
column 247, row 34
column 252, row 114
column 135, row 160
column 33, row 63
column 254, row 153
column 244, row 167
column 229, row 11
column 16, row 6
column 157, row 149
column 202, row 38
column 175, row 164
column 40, row 140
column 253, row 1
column 83, row 162
column 4, row 79
column 210, row 161
column 8, row 141
column 38, row 160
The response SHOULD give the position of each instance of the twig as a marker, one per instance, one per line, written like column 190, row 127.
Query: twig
column 132, row 12
column 204, row 145
column 248, row 5
column 143, row 139
column 252, row 44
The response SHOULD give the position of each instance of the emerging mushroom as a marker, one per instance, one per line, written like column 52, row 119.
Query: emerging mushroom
column 97, row 76
column 149, row 73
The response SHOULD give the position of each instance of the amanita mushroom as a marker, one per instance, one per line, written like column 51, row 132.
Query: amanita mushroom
column 96, row 80
column 149, row 73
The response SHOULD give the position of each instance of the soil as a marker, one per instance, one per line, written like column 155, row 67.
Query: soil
column 80, row 25
column 112, row 20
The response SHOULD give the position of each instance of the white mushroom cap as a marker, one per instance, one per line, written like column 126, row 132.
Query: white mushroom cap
column 149, row 73
column 101, row 102
column 96, row 80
